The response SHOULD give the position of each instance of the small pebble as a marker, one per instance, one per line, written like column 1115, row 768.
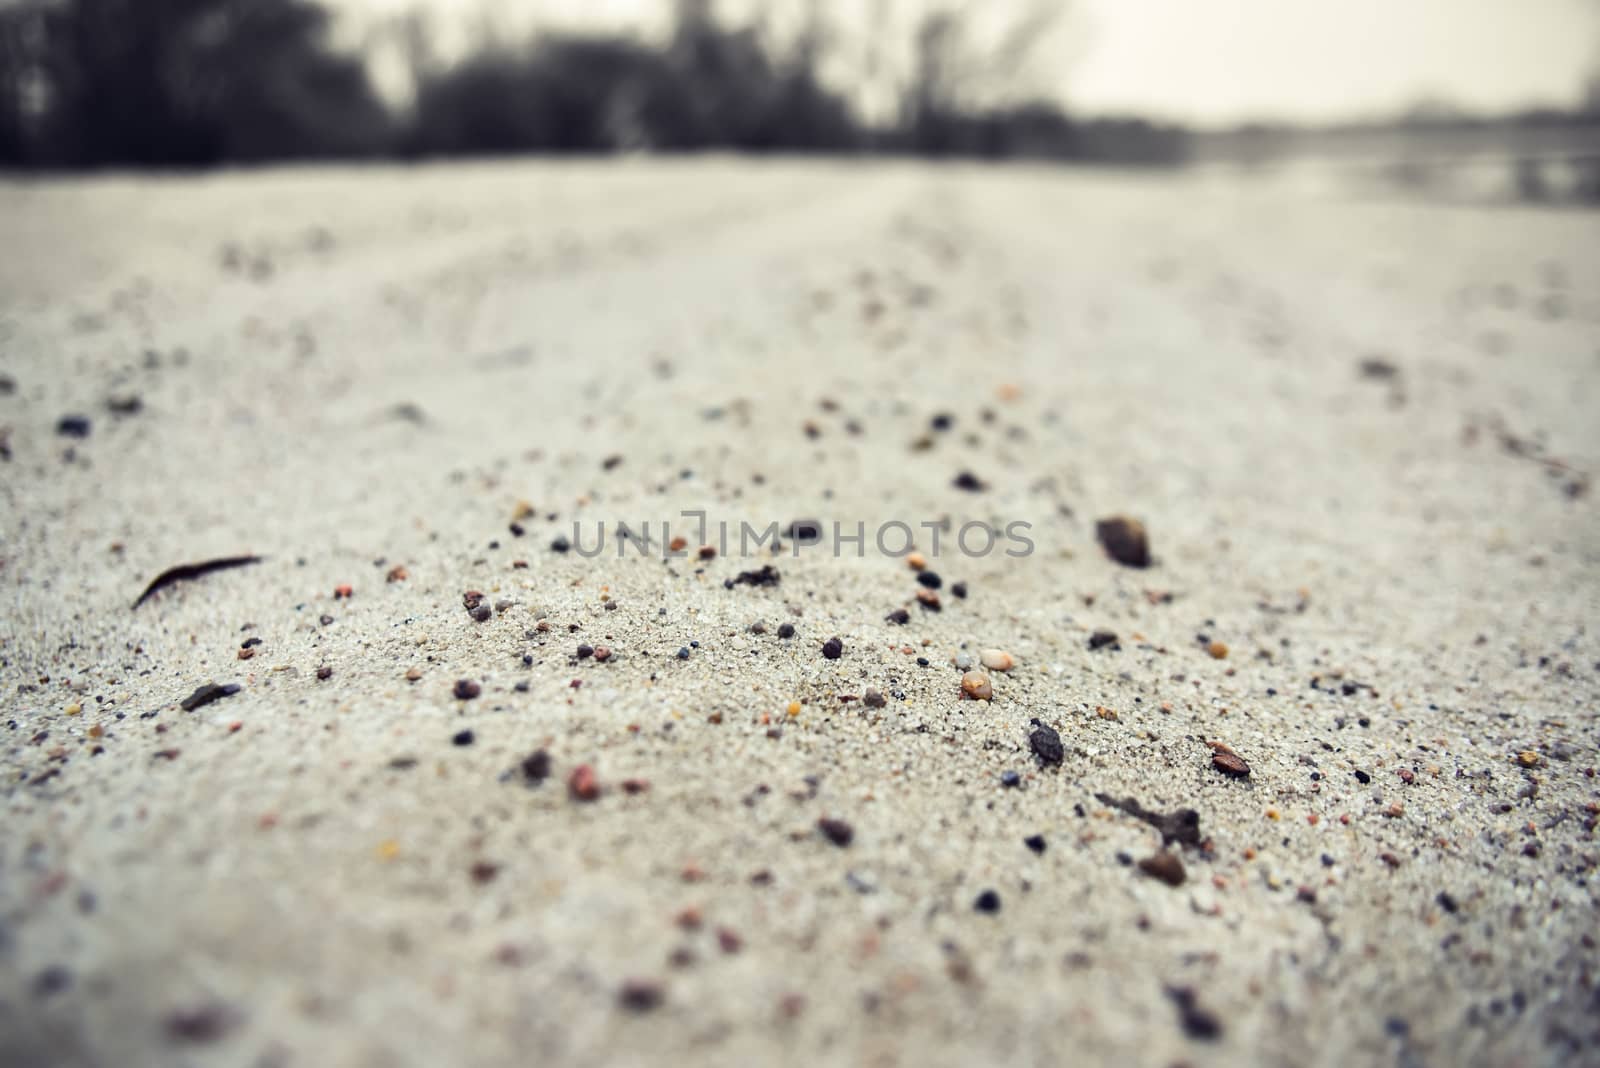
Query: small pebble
column 1035, row 842
column 413, row 674
column 462, row 738
column 1218, row 650
column 481, row 613
column 929, row 600
column 583, row 784
column 917, row 562
column 1124, row 540
column 970, row 482
column 585, row 652
column 929, row 579
column 1164, row 866
column 960, row 590
column 975, row 684
column 838, row 832
column 1046, row 744
column 641, row 995
column 602, row 653
column 873, row 699
column 1010, row 779
column 899, row 615
column 833, row 648
column 786, row 630
column 997, row 660
column 535, row 767
column 1102, row 638
column 466, row 689
column 324, row 672
column 987, row 902
column 73, row 426
column 1228, row 762
column 683, row 652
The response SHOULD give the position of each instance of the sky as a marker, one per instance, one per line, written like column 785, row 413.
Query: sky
column 1215, row 62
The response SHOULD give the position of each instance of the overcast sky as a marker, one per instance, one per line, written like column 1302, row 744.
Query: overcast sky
column 1216, row 61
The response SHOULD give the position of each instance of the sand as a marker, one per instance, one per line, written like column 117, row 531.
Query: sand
column 352, row 371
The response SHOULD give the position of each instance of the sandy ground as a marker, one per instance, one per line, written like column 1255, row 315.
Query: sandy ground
column 350, row 372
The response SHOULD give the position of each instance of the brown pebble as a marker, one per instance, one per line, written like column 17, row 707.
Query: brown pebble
column 838, row 832
column 975, row 684
column 602, row 653
column 678, row 544
column 483, row 871
column 324, row 672
column 397, row 574
column 929, row 600
column 1218, row 650
column 413, row 674
column 466, row 689
column 708, row 552
column 583, row 784
column 917, row 562
column 246, row 654
column 1164, row 866
column 729, row 940
column 1124, row 540
column 1228, row 762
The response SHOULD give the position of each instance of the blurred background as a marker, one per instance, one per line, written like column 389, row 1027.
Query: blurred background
column 1444, row 98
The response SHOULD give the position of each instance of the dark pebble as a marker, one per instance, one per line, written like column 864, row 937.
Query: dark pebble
column 1046, row 744
column 833, row 648
column 585, row 652
column 1124, row 540
column 838, row 832
column 960, row 590
column 1362, row 777
column 53, row 980
column 899, row 615
column 766, row 575
column 535, row 767
column 683, row 653
column 466, row 689
column 1010, row 779
column 942, row 421
column 640, row 995
column 970, row 482
column 988, row 901
column 324, row 672
column 73, row 426
column 1102, row 638
column 930, row 579
column 1196, row 1022
column 560, row 545
column 1034, row 842
column 206, row 694
column 1447, row 901
column 786, row 630
column 805, row 531
column 462, row 738
column 482, row 612
column 873, row 699
column 205, row 1023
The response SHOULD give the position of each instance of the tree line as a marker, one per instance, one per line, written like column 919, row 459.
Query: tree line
column 151, row 83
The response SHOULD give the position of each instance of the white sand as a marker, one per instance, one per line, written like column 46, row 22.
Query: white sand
column 1180, row 350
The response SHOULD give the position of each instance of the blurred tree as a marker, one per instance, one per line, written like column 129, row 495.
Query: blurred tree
column 152, row 82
